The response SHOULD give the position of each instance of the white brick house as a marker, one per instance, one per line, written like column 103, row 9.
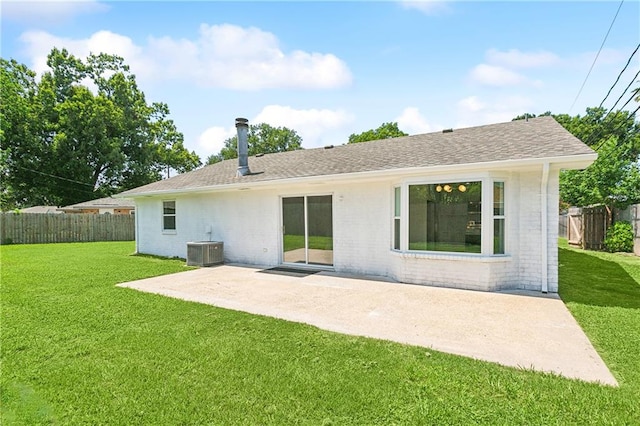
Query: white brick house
column 473, row 208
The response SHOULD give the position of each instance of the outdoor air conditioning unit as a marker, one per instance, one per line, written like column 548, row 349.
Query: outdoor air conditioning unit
column 205, row 253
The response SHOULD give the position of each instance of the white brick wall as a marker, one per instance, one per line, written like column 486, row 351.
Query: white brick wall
column 457, row 271
column 249, row 224
column 362, row 228
column 529, row 241
column 552, row 231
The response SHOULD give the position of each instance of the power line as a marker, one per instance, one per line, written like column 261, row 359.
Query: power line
column 625, row 90
column 628, row 100
column 618, row 78
column 601, row 129
column 618, row 146
column 596, row 58
column 65, row 186
column 54, row 176
column 632, row 116
column 597, row 133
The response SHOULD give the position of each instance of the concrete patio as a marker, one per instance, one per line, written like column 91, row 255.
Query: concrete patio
column 519, row 329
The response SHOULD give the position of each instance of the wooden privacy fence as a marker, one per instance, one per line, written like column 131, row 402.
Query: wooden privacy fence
column 632, row 215
column 587, row 226
column 563, row 222
column 574, row 226
column 595, row 222
column 33, row 228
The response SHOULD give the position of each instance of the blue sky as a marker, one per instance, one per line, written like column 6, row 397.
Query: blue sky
column 329, row 69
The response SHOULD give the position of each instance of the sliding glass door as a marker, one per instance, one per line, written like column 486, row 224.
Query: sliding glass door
column 294, row 229
column 307, row 225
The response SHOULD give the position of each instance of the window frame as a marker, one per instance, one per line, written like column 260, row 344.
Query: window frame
column 166, row 215
column 487, row 217
column 396, row 231
column 502, row 217
column 432, row 228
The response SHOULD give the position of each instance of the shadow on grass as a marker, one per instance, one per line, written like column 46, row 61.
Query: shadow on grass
column 156, row 257
column 589, row 280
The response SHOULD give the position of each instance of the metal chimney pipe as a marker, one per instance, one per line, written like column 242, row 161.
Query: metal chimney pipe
column 242, row 127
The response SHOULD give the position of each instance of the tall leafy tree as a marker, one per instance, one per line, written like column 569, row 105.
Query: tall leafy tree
column 385, row 131
column 262, row 138
column 169, row 144
column 83, row 131
column 19, row 122
column 614, row 178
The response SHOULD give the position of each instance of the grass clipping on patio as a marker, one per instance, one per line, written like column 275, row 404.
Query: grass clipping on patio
column 78, row 350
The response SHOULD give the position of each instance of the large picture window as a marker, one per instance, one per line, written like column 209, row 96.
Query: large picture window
column 446, row 217
column 168, row 215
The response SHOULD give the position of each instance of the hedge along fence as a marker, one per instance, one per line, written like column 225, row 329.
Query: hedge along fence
column 34, row 228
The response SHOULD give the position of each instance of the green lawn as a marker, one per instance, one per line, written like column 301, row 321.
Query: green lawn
column 292, row 242
column 78, row 350
column 602, row 291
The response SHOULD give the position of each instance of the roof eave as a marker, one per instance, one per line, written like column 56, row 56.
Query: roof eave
column 579, row 161
column 576, row 162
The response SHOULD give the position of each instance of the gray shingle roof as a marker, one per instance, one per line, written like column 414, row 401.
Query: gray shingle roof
column 107, row 203
column 40, row 209
column 537, row 138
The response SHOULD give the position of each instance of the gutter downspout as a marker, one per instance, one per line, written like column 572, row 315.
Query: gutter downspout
column 544, row 193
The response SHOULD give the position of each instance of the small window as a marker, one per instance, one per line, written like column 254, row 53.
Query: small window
column 168, row 215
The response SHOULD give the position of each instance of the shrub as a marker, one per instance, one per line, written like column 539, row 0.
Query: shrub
column 619, row 238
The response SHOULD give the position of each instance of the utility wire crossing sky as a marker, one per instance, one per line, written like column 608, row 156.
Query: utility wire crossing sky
column 329, row 69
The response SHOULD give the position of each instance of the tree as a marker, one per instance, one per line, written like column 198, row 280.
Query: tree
column 614, row 178
column 17, row 121
column 262, row 138
column 530, row 115
column 63, row 142
column 169, row 143
column 385, row 131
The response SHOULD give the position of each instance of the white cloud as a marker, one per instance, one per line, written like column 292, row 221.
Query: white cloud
column 493, row 75
column 413, row 122
column 39, row 45
column 500, row 66
column 223, row 56
column 607, row 56
column 49, row 11
column 471, row 104
column 250, row 59
column 211, row 141
column 472, row 111
column 317, row 127
column 514, row 58
column 428, row 7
